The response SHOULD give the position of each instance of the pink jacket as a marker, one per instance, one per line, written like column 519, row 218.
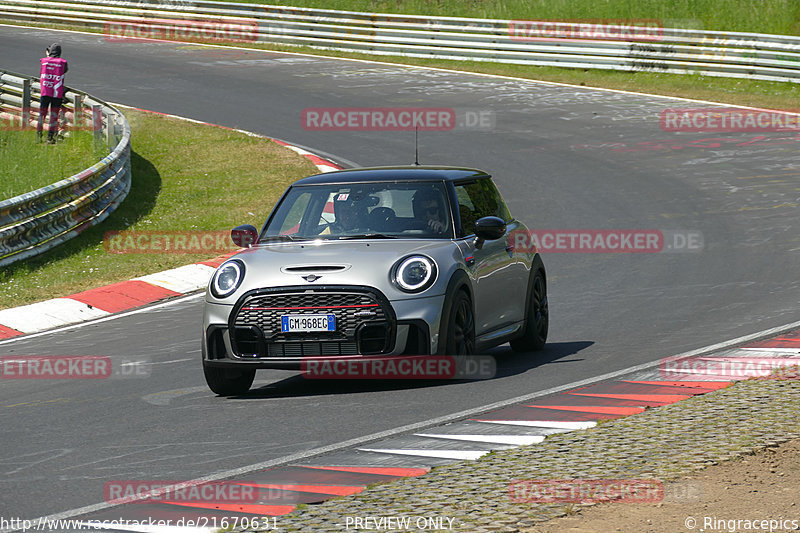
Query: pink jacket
column 52, row 76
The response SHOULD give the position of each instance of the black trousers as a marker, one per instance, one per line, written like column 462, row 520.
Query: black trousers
column 54, row 105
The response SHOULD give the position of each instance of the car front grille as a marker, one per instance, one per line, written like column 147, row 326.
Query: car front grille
column 305, row 349
column 256, row 325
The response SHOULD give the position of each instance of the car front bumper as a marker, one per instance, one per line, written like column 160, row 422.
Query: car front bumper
column 412, row 328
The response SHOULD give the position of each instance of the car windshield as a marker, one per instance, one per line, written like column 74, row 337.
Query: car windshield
column 362, row 210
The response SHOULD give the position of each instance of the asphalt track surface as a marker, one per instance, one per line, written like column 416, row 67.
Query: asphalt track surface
column 552, row 151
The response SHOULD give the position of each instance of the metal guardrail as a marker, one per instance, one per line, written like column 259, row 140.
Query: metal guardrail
column 681, row 51
column 39, row 220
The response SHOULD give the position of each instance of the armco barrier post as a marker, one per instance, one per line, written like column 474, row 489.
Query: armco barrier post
column 62, row 118
column 97, row 121
column 111, row 125
column 77, row 113
column 26, row 103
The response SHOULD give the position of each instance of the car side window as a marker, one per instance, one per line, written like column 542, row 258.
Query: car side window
column 479, row 199
column 498, row 206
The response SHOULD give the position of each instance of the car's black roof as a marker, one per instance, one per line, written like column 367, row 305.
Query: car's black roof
column 397, row 173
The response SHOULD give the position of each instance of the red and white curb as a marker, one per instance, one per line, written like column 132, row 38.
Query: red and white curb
column 349, row 471
column 127, row 295
column 322, row 164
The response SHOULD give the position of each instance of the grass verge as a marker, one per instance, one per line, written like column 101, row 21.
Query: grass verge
column 26, row 165
column 186, row 177
column 764, row 16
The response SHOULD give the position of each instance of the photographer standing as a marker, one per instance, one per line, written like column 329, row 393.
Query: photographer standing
column 52, row 90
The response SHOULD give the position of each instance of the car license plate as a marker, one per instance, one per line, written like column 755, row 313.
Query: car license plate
column 306, row 323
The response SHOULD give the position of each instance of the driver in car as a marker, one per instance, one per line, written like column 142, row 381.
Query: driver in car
column 350, row 215
column 429, row 208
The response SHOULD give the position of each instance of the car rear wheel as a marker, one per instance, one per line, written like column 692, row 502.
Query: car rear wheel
column 537, row 321
column 228, row 381
column 461, row 326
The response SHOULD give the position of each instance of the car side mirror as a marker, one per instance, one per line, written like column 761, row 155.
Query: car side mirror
column 490, row 228
column 244, row 236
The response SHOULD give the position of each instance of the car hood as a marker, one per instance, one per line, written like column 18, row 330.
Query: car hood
column 341, row 262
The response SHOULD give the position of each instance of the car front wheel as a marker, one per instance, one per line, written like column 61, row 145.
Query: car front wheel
column 228, row 381
column 538, row 319
column 460, row 326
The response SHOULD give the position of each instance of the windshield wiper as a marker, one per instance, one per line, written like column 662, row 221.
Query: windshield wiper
column 281, row 238
column 368, row 236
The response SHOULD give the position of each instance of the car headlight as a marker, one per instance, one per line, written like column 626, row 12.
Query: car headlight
column 227, row 279
column 415, row 273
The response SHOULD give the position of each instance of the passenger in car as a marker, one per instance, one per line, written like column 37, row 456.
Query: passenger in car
column 429, row 208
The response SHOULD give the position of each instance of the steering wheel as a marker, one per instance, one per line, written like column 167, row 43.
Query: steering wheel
column 381, row 218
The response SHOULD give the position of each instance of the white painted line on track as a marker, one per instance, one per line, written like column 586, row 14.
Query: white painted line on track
column 514, row 440
column 144, row 528
column 463, row 455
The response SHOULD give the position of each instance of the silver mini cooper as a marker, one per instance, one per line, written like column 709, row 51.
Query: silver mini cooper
column 372, row 262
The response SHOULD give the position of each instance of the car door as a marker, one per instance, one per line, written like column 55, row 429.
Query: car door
column 500, row 278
